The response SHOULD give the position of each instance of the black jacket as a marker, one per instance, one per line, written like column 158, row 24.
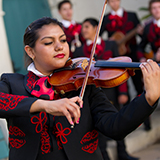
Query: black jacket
column 30, row 134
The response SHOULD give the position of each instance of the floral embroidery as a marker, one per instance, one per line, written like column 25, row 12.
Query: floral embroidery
column 39, row 121
column 62, row 133
column 90, row 148
column 57, row 139
column 16, row 143
column 45, row 140
column 30, row 80
column 8, row 101
column 89, row 136
column 16, row 131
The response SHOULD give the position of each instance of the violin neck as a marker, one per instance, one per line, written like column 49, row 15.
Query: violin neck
column 112, row 64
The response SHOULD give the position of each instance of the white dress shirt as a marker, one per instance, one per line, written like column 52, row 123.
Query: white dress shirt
column 118, row 13
column 66, row 23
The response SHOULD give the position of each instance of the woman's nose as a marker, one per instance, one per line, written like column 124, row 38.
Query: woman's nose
column 58, row 46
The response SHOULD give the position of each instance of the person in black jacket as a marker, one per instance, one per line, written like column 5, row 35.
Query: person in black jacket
column 72, row 28
column 121, row 20
column 151, row 33
column 39, row 121
column 117, row 95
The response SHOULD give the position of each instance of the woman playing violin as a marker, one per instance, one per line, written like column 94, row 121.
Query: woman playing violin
column 39, row 123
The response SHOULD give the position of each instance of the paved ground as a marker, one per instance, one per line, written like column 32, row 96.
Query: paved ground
column 150, row 153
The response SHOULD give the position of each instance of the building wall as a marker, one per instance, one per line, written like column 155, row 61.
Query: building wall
column 92, row 8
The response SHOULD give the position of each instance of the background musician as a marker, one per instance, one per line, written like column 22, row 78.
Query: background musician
column 151, row 33
column 121, row 20
column 72, row 29
column 117, row 95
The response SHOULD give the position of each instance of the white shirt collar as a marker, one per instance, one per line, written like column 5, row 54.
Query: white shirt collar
column 157, row 22
column 66, row 23
column 118, row 13
column 32, row 68
column 89, row 42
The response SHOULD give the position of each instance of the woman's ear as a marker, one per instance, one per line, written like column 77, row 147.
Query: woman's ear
column 29, row 51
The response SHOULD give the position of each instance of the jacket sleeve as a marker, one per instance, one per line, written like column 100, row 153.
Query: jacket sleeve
column 142, row 44
column 103, row 27
column 114, row 124
column 13, row 105
column 115, row 49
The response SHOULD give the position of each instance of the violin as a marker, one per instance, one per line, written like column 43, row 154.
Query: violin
column 107, row 74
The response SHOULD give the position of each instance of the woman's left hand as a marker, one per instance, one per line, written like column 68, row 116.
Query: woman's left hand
column 151, row 77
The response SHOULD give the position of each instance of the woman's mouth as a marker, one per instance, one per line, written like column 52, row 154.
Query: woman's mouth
column 60, row 55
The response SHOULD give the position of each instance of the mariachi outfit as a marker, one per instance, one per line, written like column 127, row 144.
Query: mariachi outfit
column 40, row 135
column 71, row 29
column 151, row 35
column 104, row 51
column 125, row 22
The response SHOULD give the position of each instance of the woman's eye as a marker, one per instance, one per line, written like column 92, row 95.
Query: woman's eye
column 48, row 43
column 64, row 40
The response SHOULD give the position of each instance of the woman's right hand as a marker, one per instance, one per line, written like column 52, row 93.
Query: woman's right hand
column 62, row 107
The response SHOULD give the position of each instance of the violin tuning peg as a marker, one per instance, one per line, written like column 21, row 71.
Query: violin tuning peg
column 62, row 92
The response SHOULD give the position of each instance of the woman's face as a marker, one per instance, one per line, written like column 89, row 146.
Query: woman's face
column 51, row 49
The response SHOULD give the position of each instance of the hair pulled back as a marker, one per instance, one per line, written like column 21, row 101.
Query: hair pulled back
column 31, row 33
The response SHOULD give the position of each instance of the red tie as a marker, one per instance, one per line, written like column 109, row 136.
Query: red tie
column 157, row 29
column 99, row 48
column 43, row 89
column 116, row 21
column 74, row 29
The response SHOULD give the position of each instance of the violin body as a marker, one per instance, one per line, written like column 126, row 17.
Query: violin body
column 72, row 78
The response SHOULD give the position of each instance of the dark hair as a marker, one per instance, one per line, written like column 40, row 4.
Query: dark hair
column 151, row 2
column 63, row 2
column 94, row 22
column 31, row 33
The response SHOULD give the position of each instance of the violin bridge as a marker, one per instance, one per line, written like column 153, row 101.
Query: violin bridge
column 84, row 64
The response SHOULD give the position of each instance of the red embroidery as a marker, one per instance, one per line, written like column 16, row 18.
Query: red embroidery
column 16, row 143
column 39, row 121
column 16, row 131
column 31, row 79
column 58, row 140
column 91, row 147
column 45, row 141
column 8, row 101
column 89, row 136
column 62, row 133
